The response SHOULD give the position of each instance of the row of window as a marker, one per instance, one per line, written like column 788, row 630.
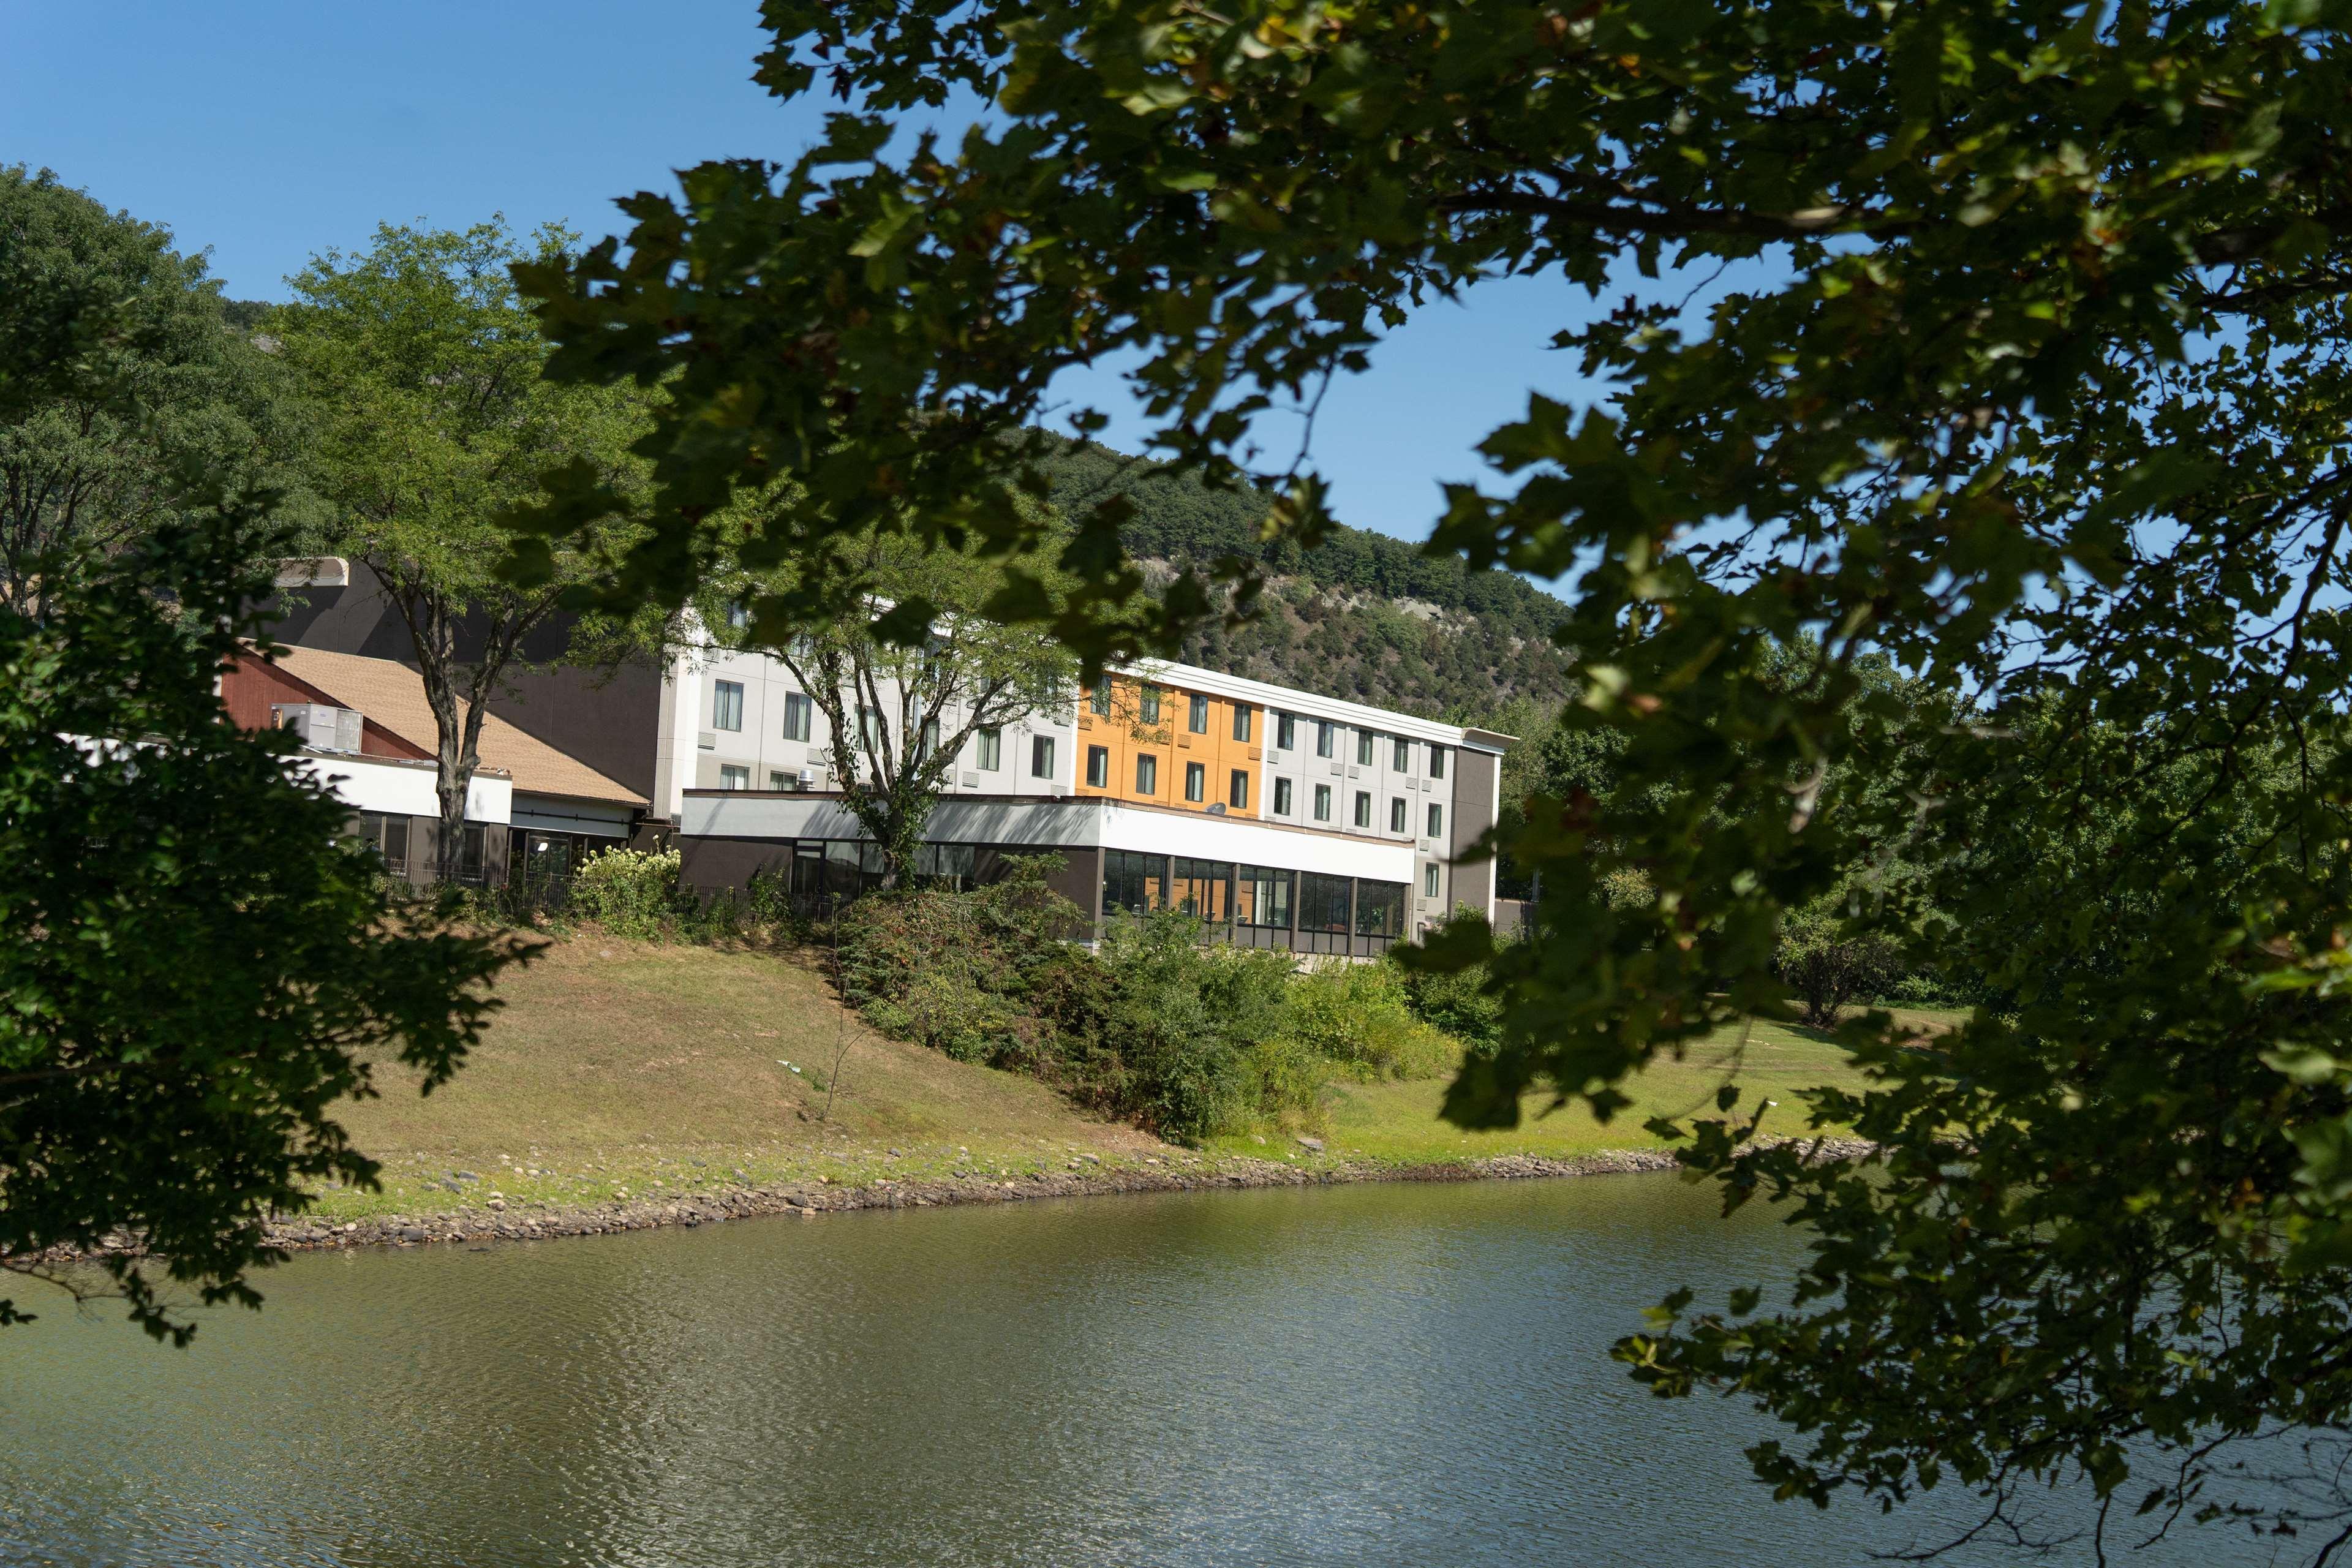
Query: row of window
column 1327, row 744
column 1399, row 812
column 388, row 835
column 727, row 713
column 733, row 775
column 727, row 710
column 1196, row 717
column 1147, row 778
column 1222, row 893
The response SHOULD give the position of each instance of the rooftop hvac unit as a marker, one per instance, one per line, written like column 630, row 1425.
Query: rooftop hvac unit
column 323, row 727
column 808, row 778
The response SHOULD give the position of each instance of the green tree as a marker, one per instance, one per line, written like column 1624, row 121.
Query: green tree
column 913, row 673
column 1829, row 970
column 433, row 425
column 196, row 969
column 96, row 463
column 2003, row 343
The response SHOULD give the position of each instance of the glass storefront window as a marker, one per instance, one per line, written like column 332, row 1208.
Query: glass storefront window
column 1200, row 889
column 1133, row 883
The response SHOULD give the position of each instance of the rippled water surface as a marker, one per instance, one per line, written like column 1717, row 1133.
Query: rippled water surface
column 1388, row 1375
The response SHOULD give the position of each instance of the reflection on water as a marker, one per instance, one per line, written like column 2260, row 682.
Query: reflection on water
column 1381, row 1375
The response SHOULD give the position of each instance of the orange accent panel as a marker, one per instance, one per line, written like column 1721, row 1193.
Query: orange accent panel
column 1126, row 735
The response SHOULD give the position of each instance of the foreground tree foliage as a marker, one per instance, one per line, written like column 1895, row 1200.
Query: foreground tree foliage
column 94, row 464
column 2004, row 342
column 194, row 968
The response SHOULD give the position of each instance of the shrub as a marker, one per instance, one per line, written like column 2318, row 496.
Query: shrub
column 1187, row 1019
column 1360, row 1016
column 1185, row 1040
column 1454, row 1002
column 631, row 893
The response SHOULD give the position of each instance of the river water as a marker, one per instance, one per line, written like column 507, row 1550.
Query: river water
column 1379, row 1374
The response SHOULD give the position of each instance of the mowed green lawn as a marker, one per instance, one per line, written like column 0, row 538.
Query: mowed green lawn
column 1399, row 1122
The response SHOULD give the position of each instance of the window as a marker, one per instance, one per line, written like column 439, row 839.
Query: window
column 1146, row 774
column 1196, row 782
column 1262, row 898
column 991, row 749
column 1403, row 755
column 1237, row 791
column 739, row 614
column 1282, row 797
column 1428, row 881
column 1363, row 808
column 1325, row 737
column 869, row 727
column 1379, row 909
column 1396, row 814
column 1364, row 748
column 1437, row 761
column 1285, row 732
column 1041, row 756
column 1098, row 766
column 727, row 705
column 1100, row 701
column 732, row 777
column 1436, row 820
column 388, row 836
column 1132, row 883
column 1324, row 902
column 1151, row 706
column 1242, row 721
column 929, row 743
column 796, row 716
column 470, row 853
column 1200, row 889
column 1322, row 803
column 953, row 864
column 1198, row 719
column 1045, row 691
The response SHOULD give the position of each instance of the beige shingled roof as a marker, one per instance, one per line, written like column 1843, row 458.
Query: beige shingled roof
column 394, row 695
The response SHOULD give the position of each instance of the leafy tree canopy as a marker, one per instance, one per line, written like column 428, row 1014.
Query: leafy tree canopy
column 2031, row 379
column 96, row 460
column 431, row 425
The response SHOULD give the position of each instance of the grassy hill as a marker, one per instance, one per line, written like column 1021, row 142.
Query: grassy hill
column 1362, row 615
column 622, row 1068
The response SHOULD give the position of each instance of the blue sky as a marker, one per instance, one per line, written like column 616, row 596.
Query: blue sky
column 264, row 132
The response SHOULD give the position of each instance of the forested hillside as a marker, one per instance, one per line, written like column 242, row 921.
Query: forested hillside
column 1362, row 616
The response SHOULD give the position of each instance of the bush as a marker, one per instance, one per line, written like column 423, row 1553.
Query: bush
column 1454, row 1002
column 1184, row 1040
column 1360, row 1016
column 629, row 892
column 1192, row 1026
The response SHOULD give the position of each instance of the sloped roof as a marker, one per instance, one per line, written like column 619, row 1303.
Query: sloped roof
column 394, row 695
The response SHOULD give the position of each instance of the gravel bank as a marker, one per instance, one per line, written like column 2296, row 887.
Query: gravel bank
column 815, row 1198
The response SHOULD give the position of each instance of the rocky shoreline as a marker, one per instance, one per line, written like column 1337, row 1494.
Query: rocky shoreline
column 811, row 1199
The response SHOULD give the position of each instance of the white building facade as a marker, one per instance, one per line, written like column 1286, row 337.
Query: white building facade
column 1279, row 817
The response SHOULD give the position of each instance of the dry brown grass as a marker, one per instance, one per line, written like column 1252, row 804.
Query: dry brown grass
column 619, row 1064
